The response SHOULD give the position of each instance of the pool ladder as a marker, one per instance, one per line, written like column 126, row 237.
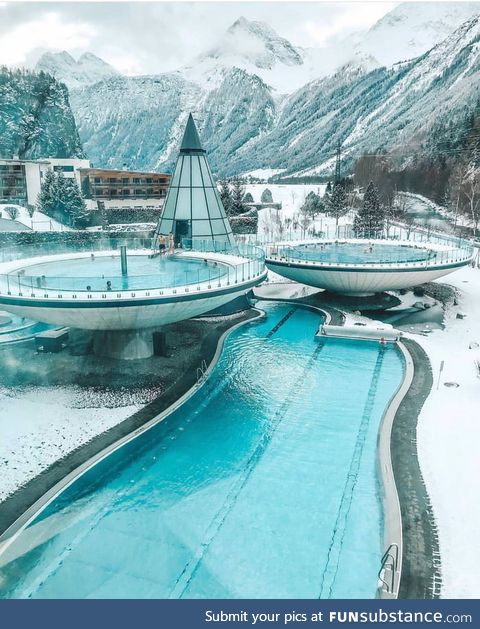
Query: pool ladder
column 202, row 373
column 388, row 575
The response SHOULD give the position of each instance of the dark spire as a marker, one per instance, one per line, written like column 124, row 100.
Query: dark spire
column 191, row 141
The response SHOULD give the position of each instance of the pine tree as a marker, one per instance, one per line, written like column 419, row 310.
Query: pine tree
column 73, row 203
column 226, row 196
column 238, row 192
column 248, row 198
column 337, row 203
column 46, row 198
column 61, row 199
column 370, row 219
column 312, row 205
column 266, row 196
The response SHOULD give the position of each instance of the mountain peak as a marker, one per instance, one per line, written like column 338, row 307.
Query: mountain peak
column 87, row 70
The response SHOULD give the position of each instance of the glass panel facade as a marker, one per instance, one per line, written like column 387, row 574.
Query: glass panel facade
column 185, row 177
column 197, row 180
column 183, row 210
column 193, row 197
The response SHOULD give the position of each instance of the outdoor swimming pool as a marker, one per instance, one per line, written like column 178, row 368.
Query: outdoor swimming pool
column 95, row 271
column 359, row 252
column 262, row 485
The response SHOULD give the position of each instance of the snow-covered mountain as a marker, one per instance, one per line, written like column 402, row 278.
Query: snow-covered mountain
column 257, row 108
column 35, row 117
column 413, row 28
column 256, row 48
column 389, row 108
column 88, row 69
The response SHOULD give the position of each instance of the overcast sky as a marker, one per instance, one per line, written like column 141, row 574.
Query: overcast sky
column 152, row 37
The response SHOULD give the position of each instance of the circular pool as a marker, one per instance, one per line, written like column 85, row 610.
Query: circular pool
column 364, row 267
column 361, row 252
column 103, row 272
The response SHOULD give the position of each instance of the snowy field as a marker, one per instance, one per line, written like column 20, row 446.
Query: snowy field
column 39, row 221
column 449, row 437
column 40, row 425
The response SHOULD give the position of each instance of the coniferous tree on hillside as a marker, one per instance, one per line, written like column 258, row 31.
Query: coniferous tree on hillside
column 312, row 205
column 238, row 192
column 267, row 196
column 370, row 219
column 337, row 203
column 60, row 198
column 226, row 196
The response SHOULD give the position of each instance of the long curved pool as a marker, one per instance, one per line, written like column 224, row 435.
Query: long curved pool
column 262, row 485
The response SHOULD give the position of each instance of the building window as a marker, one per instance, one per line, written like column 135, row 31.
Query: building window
column 125, row 180
column 136, row 180
column 138, row 191
column 126, row 192
column 97, row 180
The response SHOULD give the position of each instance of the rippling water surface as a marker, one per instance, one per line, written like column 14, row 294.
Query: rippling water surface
column 262, row 485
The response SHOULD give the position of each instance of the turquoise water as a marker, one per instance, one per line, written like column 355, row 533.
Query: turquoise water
column 360, row 253
column 143, row 273
column 263, row 484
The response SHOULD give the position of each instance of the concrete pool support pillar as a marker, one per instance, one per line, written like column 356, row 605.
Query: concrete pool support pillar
column 123, row 344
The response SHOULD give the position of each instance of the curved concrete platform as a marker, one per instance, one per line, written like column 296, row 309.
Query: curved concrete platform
column 368, row 276
column 127, row 317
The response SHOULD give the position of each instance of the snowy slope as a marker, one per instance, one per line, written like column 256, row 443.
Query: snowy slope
column 256, row 48
column 88, row 69
column 39, row 221
column 235, row 93
column 413, row 28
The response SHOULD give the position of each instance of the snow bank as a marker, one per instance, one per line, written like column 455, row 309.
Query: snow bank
column 448, row 438
column 40, row 425
column 39, row 222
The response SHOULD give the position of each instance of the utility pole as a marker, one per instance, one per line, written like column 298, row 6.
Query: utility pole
column 338, row 174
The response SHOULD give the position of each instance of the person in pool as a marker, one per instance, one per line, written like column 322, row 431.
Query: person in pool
column 161, row 243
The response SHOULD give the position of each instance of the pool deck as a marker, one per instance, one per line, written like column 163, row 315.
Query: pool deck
column 420, row 578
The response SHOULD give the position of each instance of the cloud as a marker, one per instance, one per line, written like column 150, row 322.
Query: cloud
column 153, row 37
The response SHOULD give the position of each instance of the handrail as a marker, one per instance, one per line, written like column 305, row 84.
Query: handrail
column 389, row 561
column 202, row 373
column 438, row 254
column 232, row 267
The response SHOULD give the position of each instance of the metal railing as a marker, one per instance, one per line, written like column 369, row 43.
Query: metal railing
column 228, row 267
column 373, row 252
column 387, row 575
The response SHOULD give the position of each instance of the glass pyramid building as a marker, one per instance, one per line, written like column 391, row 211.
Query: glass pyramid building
column 193, row 211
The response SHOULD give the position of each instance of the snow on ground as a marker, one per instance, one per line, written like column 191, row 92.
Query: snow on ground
column 448, row 437
column 39, row 426
column 39, row 222
column 264, row 173
column 292, row 197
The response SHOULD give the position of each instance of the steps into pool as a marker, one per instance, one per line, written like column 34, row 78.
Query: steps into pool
column 363, row 332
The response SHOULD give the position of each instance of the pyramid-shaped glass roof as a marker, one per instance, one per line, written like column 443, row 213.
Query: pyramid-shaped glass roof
column 193, row 209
